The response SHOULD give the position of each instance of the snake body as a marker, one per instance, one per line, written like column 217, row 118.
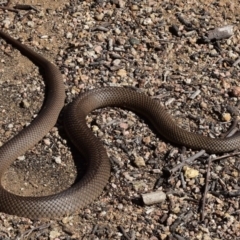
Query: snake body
column 91, row 185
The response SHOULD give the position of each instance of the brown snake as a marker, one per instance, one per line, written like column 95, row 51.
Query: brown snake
column 91, row 185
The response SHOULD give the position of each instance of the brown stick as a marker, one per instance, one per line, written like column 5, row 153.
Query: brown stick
column 202, row 209
column 187, row 161
column 226, row 156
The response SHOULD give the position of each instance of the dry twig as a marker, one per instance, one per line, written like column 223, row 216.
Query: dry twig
column 187, row 161
column 202, row 209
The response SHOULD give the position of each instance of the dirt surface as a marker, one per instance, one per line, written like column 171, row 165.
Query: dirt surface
column 144, row 45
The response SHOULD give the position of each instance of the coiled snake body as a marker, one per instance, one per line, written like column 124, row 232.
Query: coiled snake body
column 98, row 171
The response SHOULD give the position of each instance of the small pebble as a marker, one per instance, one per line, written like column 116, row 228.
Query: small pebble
column 54, row 234
column 122, row 73
column 236, row 91
column 30, row 24
column 95, row 128
column 25, row 103
column 69, row 35
column 190, row 172
column 47, row 141
column 6, row 23
column 139, row 161
column 21, row 158
column 226, row 117
column 147, row 21
column 116, row 62
column 203, row 105
column 147, row 140
column 123, row 125
column 134, row 7
column 58, row 160
column 66, row 220
column 99, row 17
column 153, row 197
column 121, row 3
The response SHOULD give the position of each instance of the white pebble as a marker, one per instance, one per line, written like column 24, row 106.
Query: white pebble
column 21, row 158
column 58, row 160
column 153, row 197
column 69, row 35
column 47, row 141
column 30, row 24
column 147, row 21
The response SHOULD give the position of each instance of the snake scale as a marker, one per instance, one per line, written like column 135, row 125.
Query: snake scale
column 91, row 185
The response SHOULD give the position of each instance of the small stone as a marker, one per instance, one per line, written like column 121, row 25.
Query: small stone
column 66, row 220
column 123, row 125
column 44, row 37
column 69, row 35
column 41, row 14
column 134, row 7
column 30, row 24
column 47, row 141
column 134, row 41
column 121, row 3
column 163, row 236
column 236, row 91
column 188, row 80
column 99, row 17
column 153, row 238
column 220, row 32
column 213, row 53
column 203, row 105
column 58, row 160
column 170, row 220
column 139, row 161
column 190, row 172
column 84, row 78
column 127, row 176
column 218, row 168
column 80, row 60
column 191, row 182
column 202, row 181
column 138, row 185
column 117, row 31
column 206, row 237
column 73, row 91
column 176, row 209
column 116, row 62
column 122, row 73
column 153, row 197
column 120, row 206
column 231, row 54
column 147, row 21
column 7, row 133
column 98, row 49
column 95, row 128
column 6, row 23
column 21, row 158
column 226, row 84
column 235, row 174
column 147, row 140
column 226, row 117
column 162, row 147
column 54, row 234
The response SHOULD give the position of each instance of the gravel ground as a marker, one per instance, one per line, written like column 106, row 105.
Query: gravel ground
column 160, row 48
